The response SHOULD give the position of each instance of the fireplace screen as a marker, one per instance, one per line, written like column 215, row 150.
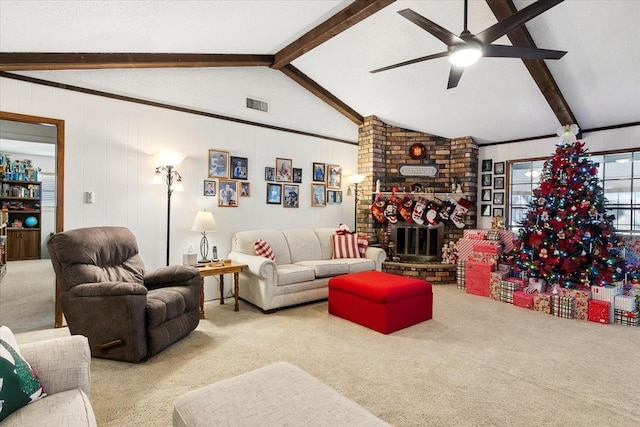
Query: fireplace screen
column 418, row 243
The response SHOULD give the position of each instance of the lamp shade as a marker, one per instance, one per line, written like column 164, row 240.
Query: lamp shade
column 357, row 178
column 204, row 222
column 170, row 158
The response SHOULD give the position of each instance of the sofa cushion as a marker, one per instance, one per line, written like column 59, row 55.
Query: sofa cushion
column 324, row 238
column 66, row 408
column 18, row 382
column 243, row 242
column 363, row 243
column 293, row 273
column 326, row 268
column 345, row 246
column 303, row 244
column 357, row 265
column 264, row 249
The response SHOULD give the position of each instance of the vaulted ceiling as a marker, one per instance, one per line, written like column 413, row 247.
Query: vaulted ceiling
column 330, row 47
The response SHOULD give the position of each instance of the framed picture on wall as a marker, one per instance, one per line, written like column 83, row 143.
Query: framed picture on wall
column 485, row 210
column 297, row 175
column 338, row 196
column 486, row 180
column 498, row 198
column 245, row 189
column 218, row 164
column 239, row 167
column 498, row 168
column 486, row 195
column 334, row 176
column 331, row 196
column 486, row 165
column 209, row 187
column 269, row 174
column 498, row 183
column 284, row 170
column 274, row 194
column 228, row 194
column 291, row 196
column 498, row 212
column 318, row 196
column 319, row 172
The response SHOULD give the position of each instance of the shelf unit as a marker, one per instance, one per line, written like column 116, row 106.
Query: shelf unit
column 3, row 250
column 20, row 200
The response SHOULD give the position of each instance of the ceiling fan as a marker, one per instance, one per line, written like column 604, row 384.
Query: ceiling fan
column 467, row 48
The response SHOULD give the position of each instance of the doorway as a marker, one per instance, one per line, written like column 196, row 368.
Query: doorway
column 15, row 121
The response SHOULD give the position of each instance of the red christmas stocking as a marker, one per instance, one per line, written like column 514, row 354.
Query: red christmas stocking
column 377, row 208
column 405, row 209
column 433, row 207
column 418, row 210
column 462, row 207
column 447, row 209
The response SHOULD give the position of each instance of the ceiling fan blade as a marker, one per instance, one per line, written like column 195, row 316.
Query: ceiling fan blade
column 411, row 61
column 520, row 17
column 442, row 34
column 500, row 51
column 454, row 76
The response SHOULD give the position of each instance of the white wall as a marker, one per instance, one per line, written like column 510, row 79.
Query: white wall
column 110, row 147
column 614, row 139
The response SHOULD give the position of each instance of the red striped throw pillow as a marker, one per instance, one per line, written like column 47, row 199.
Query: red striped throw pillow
column 262, row 248
column 363, row 242
column 345, row 246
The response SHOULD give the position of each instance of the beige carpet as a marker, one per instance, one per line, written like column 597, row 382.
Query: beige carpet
column 477, row 363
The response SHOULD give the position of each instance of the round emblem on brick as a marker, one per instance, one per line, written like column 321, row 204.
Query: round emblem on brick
column 417, row 151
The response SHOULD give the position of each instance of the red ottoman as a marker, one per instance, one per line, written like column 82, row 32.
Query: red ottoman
column 380, row 301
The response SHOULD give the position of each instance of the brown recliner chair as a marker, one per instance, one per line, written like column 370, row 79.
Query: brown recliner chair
column 126, row 313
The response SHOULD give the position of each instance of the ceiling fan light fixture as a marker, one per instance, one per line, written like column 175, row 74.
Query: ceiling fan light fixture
column 465, row 56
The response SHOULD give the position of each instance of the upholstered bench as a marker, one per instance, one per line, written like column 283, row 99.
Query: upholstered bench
column 278, row 394
column 381, row 301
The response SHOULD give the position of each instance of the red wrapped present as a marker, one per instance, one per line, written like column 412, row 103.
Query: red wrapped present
column 629, row 318
column 606, row 293
column 542, row 302
column 581, row 296
column 523, row 299
column 477, row 277
column 598, row 311
column 465, row 247
column 493, row 247
column 475, row 234
column 483, row 257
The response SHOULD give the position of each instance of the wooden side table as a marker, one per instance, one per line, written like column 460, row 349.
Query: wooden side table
column 220, row 270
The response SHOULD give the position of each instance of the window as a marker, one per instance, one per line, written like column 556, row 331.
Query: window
column 619, row 176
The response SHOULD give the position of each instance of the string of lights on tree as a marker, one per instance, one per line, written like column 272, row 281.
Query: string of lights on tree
column 567, row 237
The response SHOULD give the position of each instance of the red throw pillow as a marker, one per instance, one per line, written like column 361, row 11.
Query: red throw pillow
column 262, row 248
column 363, row 242
column 345, row 246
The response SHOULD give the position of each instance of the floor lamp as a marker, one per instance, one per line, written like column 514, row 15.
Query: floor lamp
column 170, row 160
column 356, row 179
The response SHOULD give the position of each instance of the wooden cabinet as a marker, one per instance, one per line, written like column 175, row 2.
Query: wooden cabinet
column 20, row 203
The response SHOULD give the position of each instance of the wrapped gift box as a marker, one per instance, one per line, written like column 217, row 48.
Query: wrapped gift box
column 598, row 311
column 475, row 234
column 629, row 318
column 606, row 293
column 581, row 296
column 483, row 257
column 536, row 285
column 520, row 282
column 494, row 283
column 477, row 277
column 542, row 302
column 465, row 247
column 625, row 302
column 460, row 276
column 562, row 306
column 507, row 288
column 493, row 247
column 507, row 238
column 523, row 299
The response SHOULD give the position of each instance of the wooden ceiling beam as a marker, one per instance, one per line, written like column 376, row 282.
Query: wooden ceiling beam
column 536, row 67
column 313, row 87
column 22, row 61
column 343, row 20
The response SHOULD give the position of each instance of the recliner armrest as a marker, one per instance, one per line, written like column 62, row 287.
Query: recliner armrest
column 173, row 275
column 108, row 289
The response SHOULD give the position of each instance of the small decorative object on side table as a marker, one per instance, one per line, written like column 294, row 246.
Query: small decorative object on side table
column 220, row 268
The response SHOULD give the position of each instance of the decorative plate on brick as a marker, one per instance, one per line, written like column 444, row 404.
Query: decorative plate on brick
column 417, row 151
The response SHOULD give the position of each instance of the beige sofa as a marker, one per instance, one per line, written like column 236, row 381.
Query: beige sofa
column 63, row 367
column 301, row 270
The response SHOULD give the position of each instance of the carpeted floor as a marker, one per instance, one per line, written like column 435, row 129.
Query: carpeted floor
column 477, row 363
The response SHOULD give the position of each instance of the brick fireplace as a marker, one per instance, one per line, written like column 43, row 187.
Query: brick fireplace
column 383, row 149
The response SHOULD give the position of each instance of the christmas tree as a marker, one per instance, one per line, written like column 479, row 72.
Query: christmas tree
column 567, row 237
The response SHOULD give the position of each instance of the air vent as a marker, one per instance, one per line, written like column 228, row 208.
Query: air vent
column 257, row 105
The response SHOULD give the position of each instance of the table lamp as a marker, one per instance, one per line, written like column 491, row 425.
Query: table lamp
column 204, row 222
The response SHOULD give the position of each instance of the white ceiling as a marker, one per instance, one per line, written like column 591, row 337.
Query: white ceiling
column 496, row 99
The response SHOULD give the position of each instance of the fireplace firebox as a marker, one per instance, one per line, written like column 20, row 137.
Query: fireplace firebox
column 420, row 243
